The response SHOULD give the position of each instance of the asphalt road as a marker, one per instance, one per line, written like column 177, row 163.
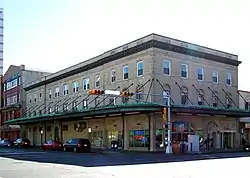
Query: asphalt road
column 20, row 163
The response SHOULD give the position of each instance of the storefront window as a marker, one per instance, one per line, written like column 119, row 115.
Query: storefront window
column 97, row 138
column 180, row 131
column 115, row 136
column 139, row 138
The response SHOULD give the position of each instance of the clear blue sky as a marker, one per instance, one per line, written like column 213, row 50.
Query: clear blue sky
column 53, row 34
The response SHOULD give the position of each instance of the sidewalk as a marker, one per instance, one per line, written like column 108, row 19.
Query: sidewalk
column 214, row 151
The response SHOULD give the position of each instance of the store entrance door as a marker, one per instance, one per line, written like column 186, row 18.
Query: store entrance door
column 227, row 139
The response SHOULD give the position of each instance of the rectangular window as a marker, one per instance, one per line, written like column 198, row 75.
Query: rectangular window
column 85, row 103
column 113, row 76
column 125, row 72
column 215, row 76
column 35, row 97
column 50, row 110
column 74, row 105
column 65, row 107
column 200, row 74
column 75, row 87
column 40, row 96
column 12, row 84
column 65, row 89
column 111, row 101
column 166, row 67
column 184, row 71
column 229, row 79
column 140, row 67
column 19, row 80
column 97, row 81
column 50, row 93
column 57, row 92
column 86, row 84
column 56, row 108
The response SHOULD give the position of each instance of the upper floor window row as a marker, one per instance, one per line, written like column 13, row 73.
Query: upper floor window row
column 200, row 73
column 12, row 84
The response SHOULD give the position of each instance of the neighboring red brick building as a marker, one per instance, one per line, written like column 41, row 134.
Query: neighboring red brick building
column 13, row 98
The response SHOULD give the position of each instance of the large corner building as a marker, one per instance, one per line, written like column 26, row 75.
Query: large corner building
column 202, row 83
column 13, row 98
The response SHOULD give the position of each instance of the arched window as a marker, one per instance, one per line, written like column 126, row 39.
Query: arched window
column 184, row 95
column 166, row 94
column 200, row 97
column 139, row 93
column 215, row 99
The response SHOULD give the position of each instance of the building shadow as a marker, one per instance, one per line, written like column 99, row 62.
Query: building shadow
column 97, row 159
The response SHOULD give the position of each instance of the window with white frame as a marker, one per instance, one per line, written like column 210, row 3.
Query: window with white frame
column 85, row 103
column 11, row 100
column 65, row 89
column 113, row 76
column 56, row 108
column 140, row 67
column 40, row 96
column 125, row 72
column 74, row 105
column 50, row 93
column 75, row 87
column 200, row 74
column 12, row 84
column 30, row 99
column 215, row 76
column 65, row 107
column 86, row 84
column 184, row 71
column 97, row 80
column 229, row 79
column 228, row 100
column 57, row 92
column 166, row 67
column 34, row 97
column 50, row 110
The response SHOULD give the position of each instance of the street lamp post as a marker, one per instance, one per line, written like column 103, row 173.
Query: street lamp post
column 169, row 145
column 41, row 133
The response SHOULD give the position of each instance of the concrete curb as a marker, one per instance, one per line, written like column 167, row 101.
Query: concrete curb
column 161, row 152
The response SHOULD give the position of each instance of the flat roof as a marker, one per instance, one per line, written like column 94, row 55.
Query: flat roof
column 137, row 46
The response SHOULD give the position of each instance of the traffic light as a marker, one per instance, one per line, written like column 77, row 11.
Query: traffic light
column 96, row 92
column 127, row 94
column 164, row 114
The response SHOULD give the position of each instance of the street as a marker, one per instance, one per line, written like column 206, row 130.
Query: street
column 20, row 163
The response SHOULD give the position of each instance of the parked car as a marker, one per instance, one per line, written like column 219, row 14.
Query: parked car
column 77, row 145
column 6, row 143
column 52, row 145
column 22, row 142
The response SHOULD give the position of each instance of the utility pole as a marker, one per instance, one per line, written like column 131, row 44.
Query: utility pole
column 169, row 144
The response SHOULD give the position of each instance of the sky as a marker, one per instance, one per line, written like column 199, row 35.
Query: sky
column 51, row 35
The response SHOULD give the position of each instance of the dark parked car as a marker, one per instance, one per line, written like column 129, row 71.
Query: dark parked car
column 52, row 145
column 22, row 142
column 77, row 145
column 6, row 143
